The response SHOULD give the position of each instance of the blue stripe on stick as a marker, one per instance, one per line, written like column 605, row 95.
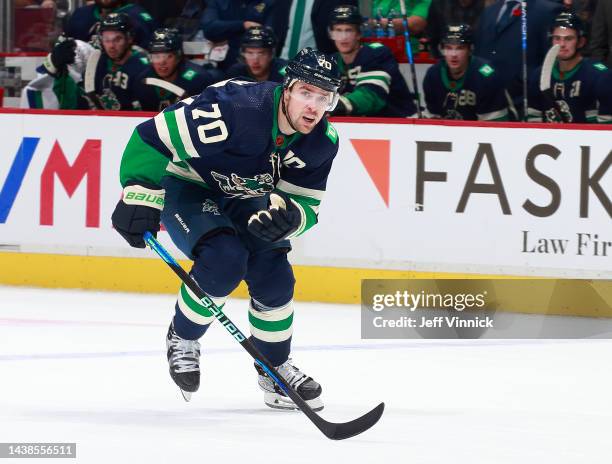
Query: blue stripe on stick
column 15, row 175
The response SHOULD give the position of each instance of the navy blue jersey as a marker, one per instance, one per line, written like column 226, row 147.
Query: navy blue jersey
column 83, row 23
column 277, row 70
column 191, row 79
column 604, row 96
column 114, row 84
column 373, row 84
column 478, row 95
column 574, row 92
column 227, row 139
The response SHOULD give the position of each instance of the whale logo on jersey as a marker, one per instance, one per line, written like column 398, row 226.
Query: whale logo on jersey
column 244, row 187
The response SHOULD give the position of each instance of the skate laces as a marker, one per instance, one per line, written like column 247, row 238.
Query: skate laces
column 292, row 374
column 185, row 354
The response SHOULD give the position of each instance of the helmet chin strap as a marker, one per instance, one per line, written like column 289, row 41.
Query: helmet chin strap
column 284, row 110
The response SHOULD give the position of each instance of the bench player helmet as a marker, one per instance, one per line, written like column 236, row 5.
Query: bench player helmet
column 116, row 22
column 166, row 40
column 569, row 20
column 458, row 34
column 345, row 14
column 258, row 37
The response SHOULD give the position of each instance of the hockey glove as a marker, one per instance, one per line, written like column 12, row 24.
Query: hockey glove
column 138, row 211
column 62, row 54
column 282, row 218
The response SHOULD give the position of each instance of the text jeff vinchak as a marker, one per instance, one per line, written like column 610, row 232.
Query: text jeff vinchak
column 433, row 322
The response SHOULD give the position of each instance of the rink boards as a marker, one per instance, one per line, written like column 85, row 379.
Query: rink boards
column 405, row 198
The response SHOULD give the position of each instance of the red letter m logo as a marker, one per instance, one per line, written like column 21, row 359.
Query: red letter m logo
column 86, row 164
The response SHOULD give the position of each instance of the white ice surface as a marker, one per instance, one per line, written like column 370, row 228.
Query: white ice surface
column 90, row 368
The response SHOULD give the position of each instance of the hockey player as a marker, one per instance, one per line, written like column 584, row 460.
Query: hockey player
column 110, row 75
column 573, row 96
column 84, row 22
column 56, row 85
column 463, row 86
column 257, row 50
column 170, row 77
column 373, row 84
column 234, row 173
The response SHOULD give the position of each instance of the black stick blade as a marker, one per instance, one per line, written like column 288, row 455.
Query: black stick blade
column 344, row 430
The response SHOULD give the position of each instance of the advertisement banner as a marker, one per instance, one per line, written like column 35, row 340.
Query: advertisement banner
column 430, row 196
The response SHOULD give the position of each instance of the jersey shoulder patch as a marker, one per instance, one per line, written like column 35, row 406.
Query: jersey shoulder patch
column 486, row 70
column 331, row 132
column 375, row 45
column 145, row 16
column 600, row 66
column 189, row 74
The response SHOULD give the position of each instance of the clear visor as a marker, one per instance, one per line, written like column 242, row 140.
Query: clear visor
column 253, row 54
column 158, row 57
column 342, row 35
column 566, row 38
column 326, row 101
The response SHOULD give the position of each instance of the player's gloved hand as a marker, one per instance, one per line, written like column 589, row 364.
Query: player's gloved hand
column 138, row 211
column 62, row 54
column 282, row 218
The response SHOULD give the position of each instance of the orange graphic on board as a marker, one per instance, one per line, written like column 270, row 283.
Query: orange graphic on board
column 376, row 158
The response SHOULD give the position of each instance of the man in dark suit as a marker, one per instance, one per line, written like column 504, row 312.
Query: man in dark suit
column 601, row 33
column 499, row 39
column 318, row 11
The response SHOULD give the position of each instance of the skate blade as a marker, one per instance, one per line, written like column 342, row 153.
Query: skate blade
column 186, row 395
column 276, row 401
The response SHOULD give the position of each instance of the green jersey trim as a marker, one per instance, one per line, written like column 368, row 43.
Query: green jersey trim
column 142, row 162
column 566, row 74
column 276, row 133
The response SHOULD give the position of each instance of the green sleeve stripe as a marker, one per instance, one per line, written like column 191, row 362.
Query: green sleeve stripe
column 604, row 119
column 308, row 211
column 374, row 75
column 163, row 133
column 365, row 101
column 141, row 161
column 377, row 82
column 183, row 131
column 292, row 189
column 175, row 136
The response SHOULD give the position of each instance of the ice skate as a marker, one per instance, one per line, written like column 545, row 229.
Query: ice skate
column 306, row 387
column 184, row 361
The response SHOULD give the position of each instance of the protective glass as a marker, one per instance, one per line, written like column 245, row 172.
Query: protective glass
column 325, row 101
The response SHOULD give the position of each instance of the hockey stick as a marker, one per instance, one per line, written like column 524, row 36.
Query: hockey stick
column 524, row 56
column 90, row 79
column 169, row 86
column 332, row 430
column 551, row 110
column 410, row 57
